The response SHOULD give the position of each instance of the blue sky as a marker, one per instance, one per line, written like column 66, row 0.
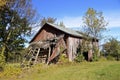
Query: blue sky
column 72, row 11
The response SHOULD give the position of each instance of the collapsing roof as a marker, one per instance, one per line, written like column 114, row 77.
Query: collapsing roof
column 66, row 30
column 63, row 29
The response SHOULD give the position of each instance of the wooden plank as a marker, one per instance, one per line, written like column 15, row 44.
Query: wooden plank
column 55, row 53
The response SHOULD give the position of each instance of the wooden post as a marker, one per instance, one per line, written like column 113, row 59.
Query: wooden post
column 90, row 55
column 49, row 55
column 36, row 57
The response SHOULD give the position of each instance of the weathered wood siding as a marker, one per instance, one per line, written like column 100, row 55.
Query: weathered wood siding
column 46, row 33
column 40, row 36
column 71, row 42
column 72, row 45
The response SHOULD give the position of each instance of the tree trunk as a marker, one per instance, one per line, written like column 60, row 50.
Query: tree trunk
column 4, row 46
column 3, row 49
column 2, row 52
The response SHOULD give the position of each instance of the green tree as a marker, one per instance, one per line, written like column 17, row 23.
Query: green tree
column 51, row 20
column 112, row 48
column 48, row 19
column 16, row 18
column 61, row 24
column 94, row 25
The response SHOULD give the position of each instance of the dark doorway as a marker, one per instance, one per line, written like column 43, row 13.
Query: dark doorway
column 85, row 54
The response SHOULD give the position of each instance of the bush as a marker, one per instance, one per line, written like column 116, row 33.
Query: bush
column 110, row 58
column 118, row 57
column 95, row 57
column 112, row 48
column 95, row 54
column 102, row 58
column 63, row 58
column 79, row 58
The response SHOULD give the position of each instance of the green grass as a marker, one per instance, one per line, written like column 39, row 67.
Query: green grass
column 105, row 70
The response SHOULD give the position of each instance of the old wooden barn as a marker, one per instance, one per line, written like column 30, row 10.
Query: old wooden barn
column 53, row 40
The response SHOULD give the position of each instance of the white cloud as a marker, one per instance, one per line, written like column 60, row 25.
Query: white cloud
column 71, row 22
column 113, row 20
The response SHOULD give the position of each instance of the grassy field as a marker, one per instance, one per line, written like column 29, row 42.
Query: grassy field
column 107, row 70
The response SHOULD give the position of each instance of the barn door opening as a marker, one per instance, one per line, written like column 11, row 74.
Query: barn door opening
column 85, row 54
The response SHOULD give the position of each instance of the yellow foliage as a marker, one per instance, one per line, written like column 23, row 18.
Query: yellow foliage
column 2, row 2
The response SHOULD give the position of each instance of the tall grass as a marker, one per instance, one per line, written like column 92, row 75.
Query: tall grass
column 103, row 70
column 10, row 71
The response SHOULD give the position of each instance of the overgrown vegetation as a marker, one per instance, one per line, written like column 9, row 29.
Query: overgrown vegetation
column 82, row 48
column 63, row 59
column 96, row 54
column 105, row 70
column 11, row 71
column 94, row 25
column 79, row 57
